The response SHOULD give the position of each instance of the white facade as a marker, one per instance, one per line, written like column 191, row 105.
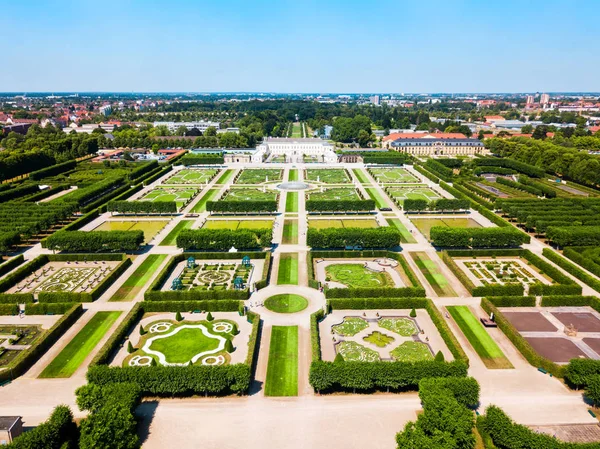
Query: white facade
column 295, row 149
column 200, row 125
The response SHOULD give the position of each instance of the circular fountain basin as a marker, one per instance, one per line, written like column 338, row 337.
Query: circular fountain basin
column 294, row 185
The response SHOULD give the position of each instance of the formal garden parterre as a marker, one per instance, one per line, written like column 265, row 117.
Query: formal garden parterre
column 327, row 175
column 191, row 176
column 393, row 175
column 258, row 176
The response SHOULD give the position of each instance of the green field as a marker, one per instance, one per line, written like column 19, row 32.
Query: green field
column 132, row 286
column 393, row 175
column 150, row 228
column 406, row 236
column 485, row 346
column 286, row 303
column 259, row 175
column 200, row 206
column 412, row 193
column 327, row 175
column 375, row 195
column 425, row 224
column 171, row 238
column 293, row 175
column 288, row 269
column 322, row 223
column 180, row 195
column 355, row 275
column 361, row 176
column 291, row 202
column 290, row 232
column 334, row 194
column 436, row 279
column 296, row 130
column 282, row 369
column 225, row 177
column 73, row 355
column 237, row 224
column 191, row 176
column 249, row 195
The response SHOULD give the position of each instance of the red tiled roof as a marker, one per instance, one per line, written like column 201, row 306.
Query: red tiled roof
column 395, row 136
column 493, row 117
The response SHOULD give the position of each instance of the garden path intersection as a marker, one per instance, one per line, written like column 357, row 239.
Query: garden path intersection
column 527, row 395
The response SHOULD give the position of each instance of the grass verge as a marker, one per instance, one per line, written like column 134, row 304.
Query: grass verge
column 171, row 238
column 286, row 303
column 290, row 232
column 201, row 205
column 437, row 280
column 405, row 235
column 361, row 176
column 140, row 277
column 288, row 270
column 282, row 369
column 375, row 195
column 291, row 202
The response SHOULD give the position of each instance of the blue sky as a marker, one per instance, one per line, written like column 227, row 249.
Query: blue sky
column 300, row 46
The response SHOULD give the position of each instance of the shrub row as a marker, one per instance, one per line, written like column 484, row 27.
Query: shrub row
column 8, row 266
column 512, row 301
column 384, row 237
column 521, row 186
column 144, row 168
column 143, row 207
column 491, row 169
column 224, row 239
column 9, row 309
column 587, row 261
column 52, row 170
column 8, row 240
column 58, row 432
column 18, row 192
column 438, row 169
column 58, row 308
column 548, row 191
column 339, row 205
column 426, row 173
column 252, row 356
column 95, row 241
column 375, row 292
column 241, row 206
column 448, row 237
column 467, row 191
column 574, row 235
column 521, row 167
column 194, row 159
column 196, row 295
column 441, row 205
column 315, row 335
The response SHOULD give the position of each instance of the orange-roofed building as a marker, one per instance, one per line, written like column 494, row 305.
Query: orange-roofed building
column 429, row 144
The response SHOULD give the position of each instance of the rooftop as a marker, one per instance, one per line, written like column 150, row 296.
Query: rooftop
column 7, row 422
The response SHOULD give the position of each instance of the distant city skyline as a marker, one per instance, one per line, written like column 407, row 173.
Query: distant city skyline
column 299, row 47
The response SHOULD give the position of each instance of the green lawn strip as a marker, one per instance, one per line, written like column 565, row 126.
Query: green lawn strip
column 282, row 369
column 430, row 270
column 361, row 175
column 288, row 270
column 291, row 202
column 290, row 232
column 139, row 278
column 225, row 177
column 293, row 175
column 405, row 235
column 171, row 238
column 375, row 195
column 73, row 355
column 286, row 303
column 296, row 130
column 485, row 346
column 201, row 205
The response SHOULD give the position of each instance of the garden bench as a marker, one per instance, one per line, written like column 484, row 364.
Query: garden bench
column 196, row 311
column 542, row 370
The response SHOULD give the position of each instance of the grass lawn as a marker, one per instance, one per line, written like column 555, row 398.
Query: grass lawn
column 425, row 224
column 184, row 345
column 238, row 224
column 355, row 352
column 73, row 355
column 406, row 236
column 327, row 175
column 413, row 193
column 291, row 202
column 180, row 195
column 361, row 176
column 323, row 223
column 391, row 175
column 354, row 275
column 139, row 278
column 282, row 369
column 191, row 176
column 290, row 232
column 259, row 175
column 171, row 238
column 378, row 339
column 375, row 195
column 288, row 269
column 293, row 175
column 401, row 326
column 431, row 272
column 225, row 177
column 334, row 194
column 296, row 130
column 249, row 195
column 150, row 228
column 286, row 303
column 485, row 346
column 208, row 196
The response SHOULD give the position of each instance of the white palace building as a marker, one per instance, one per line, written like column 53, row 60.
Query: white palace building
column 295, row 150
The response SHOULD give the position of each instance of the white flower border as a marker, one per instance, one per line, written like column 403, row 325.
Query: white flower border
column 163, row 360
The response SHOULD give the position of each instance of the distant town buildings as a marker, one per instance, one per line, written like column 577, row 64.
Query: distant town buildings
column 544, row 99
column 199, row 125
column 106, row 110
column 375, row 99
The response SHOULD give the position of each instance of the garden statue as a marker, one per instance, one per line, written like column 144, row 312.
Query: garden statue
column 177, row 284
column 191, row 262
column 246, row 261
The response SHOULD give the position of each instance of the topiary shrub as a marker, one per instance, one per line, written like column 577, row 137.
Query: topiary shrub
column 413, row 313
column 439, row 357
column 209, row 317
column 339, row 358
column 229, row 346
column 130, row 347
column 142, row 331
column 178, row 316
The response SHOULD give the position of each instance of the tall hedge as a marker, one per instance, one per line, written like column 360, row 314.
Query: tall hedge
column 339, row 205
column 58, row 432
column 384, row 237
column 448, row 237
column 52, row 170
column 224, row 239
column 242, row 206
column 95, row 241
column 574, row 235
column 143, row 207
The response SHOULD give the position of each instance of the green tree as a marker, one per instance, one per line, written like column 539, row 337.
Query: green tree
column 178, row 316
column 209, row 317
column 339, row 358
column 527, row 129
column 210, row 131
column 130, row 347
column 229, row 346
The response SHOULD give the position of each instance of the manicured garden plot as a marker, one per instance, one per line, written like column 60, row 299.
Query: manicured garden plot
column 282, row 369
column 150, row 228
column 181, row 196
column 17, row 335
column 225, row 177
column 393, row 175
column 296, row 130
column 210, row 276
column 237, row 224
column 323, row 223
column 352, row 351
column 191, row 176
column 376, row 196
column 529, row 321
column 180, row 343
column 290, row 232
column 171, row 238
column 411, row 351
column 361, row 176
column 405, row 235
column 425, row 224
column 249, row 195
column 355, row 275
column 139, row 278
column 286, row 303
column 401, row 326
column 327, row 175
column 334, row 194
column 72, row 356
column 379, row 339
column 436, row 279
column 291, row 202
column 583, row 321
column 288, row 269
column 293, row 175
column 399, row 194
column 200, row 206
column 259, row 175
column 350, row 326
column 485, row 346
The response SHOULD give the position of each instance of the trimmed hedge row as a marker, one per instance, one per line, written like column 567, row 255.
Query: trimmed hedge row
column 375, row 292
column 95, row 241
column 58, row 308
column 252, row 356
column 138, row 172
column 196, row 295
column 315, row 335
column 572, row 268
column 241, row 206
column 58, row 432
column 194, row 159
column 521, row 344
column 440, row 170
column 586, row 262
column 521, row 167
column 26, row 359
column 55, row 169
column 384, row 237
column 16, row 298
column 574, row 235
column 339, row 205
column 512, row 301
column 462, row 190
column 224, row 239
column 447, row 237
column 426, row 173
column 143, row 207
column 9, row 309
